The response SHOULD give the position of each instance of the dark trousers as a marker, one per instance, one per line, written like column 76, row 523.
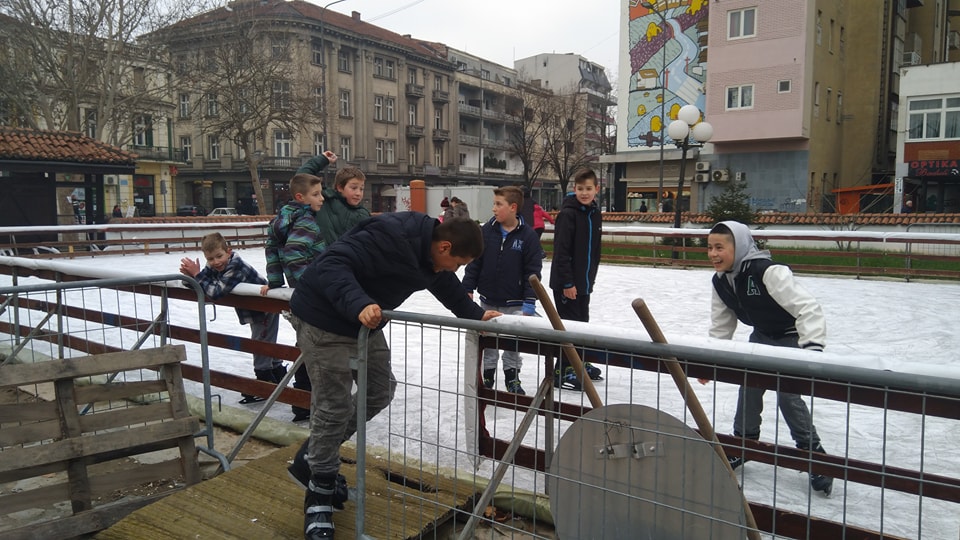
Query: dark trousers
column 571, row 310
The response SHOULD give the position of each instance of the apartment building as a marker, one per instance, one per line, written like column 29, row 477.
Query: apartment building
column 383, row 104
column 804, row 96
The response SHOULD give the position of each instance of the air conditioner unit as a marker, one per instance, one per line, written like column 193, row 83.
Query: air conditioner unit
column 741, row 177
column 703, row 166
column 911, row 59
column 720, row 175
column 701, row 177
column 953, row 40
column 110, row 180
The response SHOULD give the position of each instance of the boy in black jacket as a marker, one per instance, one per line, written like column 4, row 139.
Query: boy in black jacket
column 511, row 254
column 576, row 257
column 375, row 266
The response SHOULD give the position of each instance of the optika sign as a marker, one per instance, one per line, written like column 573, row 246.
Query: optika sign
column 937, row 167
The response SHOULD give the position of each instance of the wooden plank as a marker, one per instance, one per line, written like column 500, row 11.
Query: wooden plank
column 178, row 402
column 20, row 374
column 118, row 390
column 29, row 433
column 126, row 416
column 80, row 498
column 33, row 411
column 81, row 447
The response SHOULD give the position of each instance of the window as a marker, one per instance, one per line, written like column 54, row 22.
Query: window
column 391, row 152
column 843, row 41
column 210, row 60
column 816, row 100
column 390, row 70
column 412, row 75
column 378, row 107
column 839, row 105
column 278, row 48
column 740, row 97
column 380, row 145
column 91, row 123
column 819, row 27
column 186, row 146
column 281, row 95
column 316, row 53
column 741, row 23
column 378, row 67
column 485, row 74
column 829, row 98
column 830, row 37
column 783, row 87
column 184, row 105
column 241, row 153
column 213, row 147
column 319, row 144
column 438, row 155
column 139, row 79
column 438, row 118
column 282, row 143
column 320, row 98
column 244, row 106
column 438, row 82
column 213, row 106
column 412, row 154
column 937, row 118
column 412, row 114
column 344, row 148
column 182, row 65
column 143, row 130
column 345, row 103
column 343, row 61
column 389, row 106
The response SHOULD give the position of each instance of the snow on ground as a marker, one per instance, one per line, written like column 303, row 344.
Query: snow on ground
column 897, row 324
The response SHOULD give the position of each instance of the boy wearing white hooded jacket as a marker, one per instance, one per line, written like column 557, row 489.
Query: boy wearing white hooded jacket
column 749, row 287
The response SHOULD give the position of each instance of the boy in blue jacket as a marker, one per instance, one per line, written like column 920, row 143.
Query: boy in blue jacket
column 293, row 241
column 223, row 272
column 576, row 258
column 511, row 254
column 376, row 265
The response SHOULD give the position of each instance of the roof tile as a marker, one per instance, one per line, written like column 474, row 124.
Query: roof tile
column 23, row 144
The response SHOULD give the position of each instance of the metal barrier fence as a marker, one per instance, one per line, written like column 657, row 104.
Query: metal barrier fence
column 635, row 464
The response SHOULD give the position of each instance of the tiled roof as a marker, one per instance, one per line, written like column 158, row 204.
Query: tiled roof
column 22, row 144
column 785, row 218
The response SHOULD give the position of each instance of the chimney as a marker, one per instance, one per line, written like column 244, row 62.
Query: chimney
column 355, row 15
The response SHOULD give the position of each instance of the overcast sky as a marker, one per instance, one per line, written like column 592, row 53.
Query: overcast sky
column 502, row 30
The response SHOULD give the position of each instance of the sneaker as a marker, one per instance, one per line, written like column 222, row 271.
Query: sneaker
column 318, row 509
column 822, row 483
column 489, row 377
column 736, row 461
column 514, row 387
column 567, row 380
column 300, row 414
column 247, row 399
column 593, row 372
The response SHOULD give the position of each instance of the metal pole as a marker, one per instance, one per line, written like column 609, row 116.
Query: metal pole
column 683, row 170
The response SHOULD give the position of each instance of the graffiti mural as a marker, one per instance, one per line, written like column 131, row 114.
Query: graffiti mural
column 665, row 68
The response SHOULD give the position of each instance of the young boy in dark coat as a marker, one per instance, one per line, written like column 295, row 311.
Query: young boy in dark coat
column 375, row 266
column 342, row 208
column 751, row 288
column 576, row 258
column 511, row 254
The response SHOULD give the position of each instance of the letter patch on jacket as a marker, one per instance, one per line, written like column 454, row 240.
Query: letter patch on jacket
column 517, row 245
column 752, row 289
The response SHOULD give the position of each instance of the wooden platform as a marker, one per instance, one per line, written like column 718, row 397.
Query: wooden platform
column 259, row 500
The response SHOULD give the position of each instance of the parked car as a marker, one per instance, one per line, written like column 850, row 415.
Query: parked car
column 223, row 212
column 191, row 210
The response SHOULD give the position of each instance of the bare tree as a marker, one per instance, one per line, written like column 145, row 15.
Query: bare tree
column 525, row 139
column 245, row 78
column 565, row 134
column 76, row 64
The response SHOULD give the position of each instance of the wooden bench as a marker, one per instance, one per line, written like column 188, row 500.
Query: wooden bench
column 55, row 453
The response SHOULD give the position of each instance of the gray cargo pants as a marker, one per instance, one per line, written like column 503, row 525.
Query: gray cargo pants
column 333, row 407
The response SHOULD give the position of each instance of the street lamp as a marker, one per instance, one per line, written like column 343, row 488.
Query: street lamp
column 663, row 98
column 689, row 132
column 323, row 68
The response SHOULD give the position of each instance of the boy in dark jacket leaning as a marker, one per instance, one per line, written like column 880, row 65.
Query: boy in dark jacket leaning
column 223, row 272
column 576, row 257
column 511, row 254
column 375, row 266
column 751, row 288
column 293, row 241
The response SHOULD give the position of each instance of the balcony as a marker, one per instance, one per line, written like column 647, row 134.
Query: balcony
column 156, row 153
column 415, row 132
column 414, row 90
column 415, row 169
column 441, row 134
column 469, row 140
column 281, row 163
column 468, row 109
column 441, row 96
